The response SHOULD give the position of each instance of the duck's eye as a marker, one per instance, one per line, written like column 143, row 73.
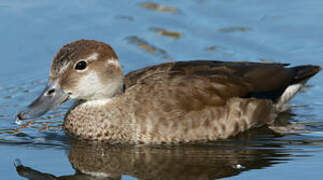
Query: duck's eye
column 81, row 65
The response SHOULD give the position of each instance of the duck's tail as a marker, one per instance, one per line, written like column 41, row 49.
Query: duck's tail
column 302, row 74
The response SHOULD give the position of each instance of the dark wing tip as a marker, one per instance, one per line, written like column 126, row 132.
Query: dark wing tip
column 305, row 72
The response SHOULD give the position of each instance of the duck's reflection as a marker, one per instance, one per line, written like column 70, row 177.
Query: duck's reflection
column 217, row 160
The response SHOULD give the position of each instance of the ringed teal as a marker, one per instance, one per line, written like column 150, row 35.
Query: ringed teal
column 174, row 102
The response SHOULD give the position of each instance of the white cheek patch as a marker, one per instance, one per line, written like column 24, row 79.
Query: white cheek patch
column 113, row 62
column 88, row 85
column 91, row 87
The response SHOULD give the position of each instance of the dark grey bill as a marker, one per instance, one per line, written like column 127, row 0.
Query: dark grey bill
column 52, row 96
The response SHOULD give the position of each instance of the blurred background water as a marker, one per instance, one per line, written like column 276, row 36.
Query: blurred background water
column 146, row 32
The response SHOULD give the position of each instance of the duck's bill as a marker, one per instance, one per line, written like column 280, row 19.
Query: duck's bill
column 52, row 96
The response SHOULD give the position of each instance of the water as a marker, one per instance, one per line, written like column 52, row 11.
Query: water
column 151, row 32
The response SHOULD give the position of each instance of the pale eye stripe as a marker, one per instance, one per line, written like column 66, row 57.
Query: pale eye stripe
column 92, row 57
column 114, row 62
column 64, row 67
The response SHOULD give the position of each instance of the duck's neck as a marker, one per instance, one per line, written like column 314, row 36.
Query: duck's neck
column 98, row 103
column 103, row 100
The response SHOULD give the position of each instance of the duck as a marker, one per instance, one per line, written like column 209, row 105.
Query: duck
column 173, row 102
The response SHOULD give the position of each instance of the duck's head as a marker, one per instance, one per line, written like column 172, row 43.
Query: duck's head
column 83, row 70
